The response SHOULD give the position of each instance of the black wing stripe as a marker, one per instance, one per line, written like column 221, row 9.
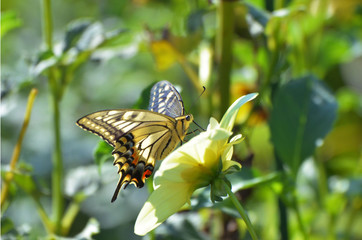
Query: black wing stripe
column 166, row 146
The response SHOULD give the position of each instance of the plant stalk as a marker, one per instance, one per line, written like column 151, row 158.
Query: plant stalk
column 224, row 40
column 17, row 148
column 71, row 213
column 299, row 217
column 241, row 210
column 57, row 174
column 283, row 214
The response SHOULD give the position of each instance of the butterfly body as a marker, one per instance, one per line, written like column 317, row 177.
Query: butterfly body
column 140, row 137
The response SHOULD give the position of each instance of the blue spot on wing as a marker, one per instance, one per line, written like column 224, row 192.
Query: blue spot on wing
column 165, row 99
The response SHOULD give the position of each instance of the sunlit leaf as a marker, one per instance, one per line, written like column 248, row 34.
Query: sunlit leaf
column 25, row 182
column 91, row 37
column 9, row 21
column 84, row 37
column 303, row 113
column 73, row 33
column 239, row 182
column 44, row 60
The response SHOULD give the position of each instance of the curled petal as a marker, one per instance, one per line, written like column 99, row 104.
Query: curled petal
column 227, row 122
column 231, row 167
column 236, row 139
column 213, row 124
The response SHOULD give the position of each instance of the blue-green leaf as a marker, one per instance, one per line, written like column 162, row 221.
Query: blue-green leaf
column 303, row 113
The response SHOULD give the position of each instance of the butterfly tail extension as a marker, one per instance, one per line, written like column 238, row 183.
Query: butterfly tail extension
column 131, row 167
column 118, row 188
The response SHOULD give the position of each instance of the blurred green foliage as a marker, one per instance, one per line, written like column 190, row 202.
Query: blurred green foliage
column 302, row 164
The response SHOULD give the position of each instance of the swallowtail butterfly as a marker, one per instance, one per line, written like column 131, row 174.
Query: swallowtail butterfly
column 140, row 137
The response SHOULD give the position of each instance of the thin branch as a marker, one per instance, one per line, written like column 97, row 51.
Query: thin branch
column 241, row 210
column 17, row 148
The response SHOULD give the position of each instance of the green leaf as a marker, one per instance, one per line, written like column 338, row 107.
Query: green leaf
column 91, row 37
column 6, row 225
column 257, row 14
column 239, row 181
column 74, row 31
column 84, row 38
column 25, row 182
column 43, row 61
column 232, row 169
column 9, row 21
column 303, row 113
column 144, row 99
column 102, row 153
column 115, row 38
column 218, row 190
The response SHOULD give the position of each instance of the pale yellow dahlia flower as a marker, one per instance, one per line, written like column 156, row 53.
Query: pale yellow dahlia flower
column 203, row 160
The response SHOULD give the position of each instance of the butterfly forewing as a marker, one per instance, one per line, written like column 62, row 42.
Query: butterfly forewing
column 165, row 99
column 140, row 137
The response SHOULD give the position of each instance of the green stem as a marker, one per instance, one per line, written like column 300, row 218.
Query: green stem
column 224, row 51
column 71, row 213
column 17, row 148
column 299, row 217
column 43, row 215
column 353, row 216
column 47, row 24
column 322, row 182
column 283, row 220
column 283, row 214
column 241, row 210
column 57, row 175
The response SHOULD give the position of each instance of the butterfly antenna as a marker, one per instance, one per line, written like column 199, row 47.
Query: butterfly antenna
column 193, row 103
column 199, row 126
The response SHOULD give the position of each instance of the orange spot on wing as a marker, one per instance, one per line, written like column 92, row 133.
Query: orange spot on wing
column 146, row 174
column 135, row 156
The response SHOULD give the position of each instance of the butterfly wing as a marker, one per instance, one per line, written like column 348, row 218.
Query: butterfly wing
column 139, row 138
column 165, row 99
